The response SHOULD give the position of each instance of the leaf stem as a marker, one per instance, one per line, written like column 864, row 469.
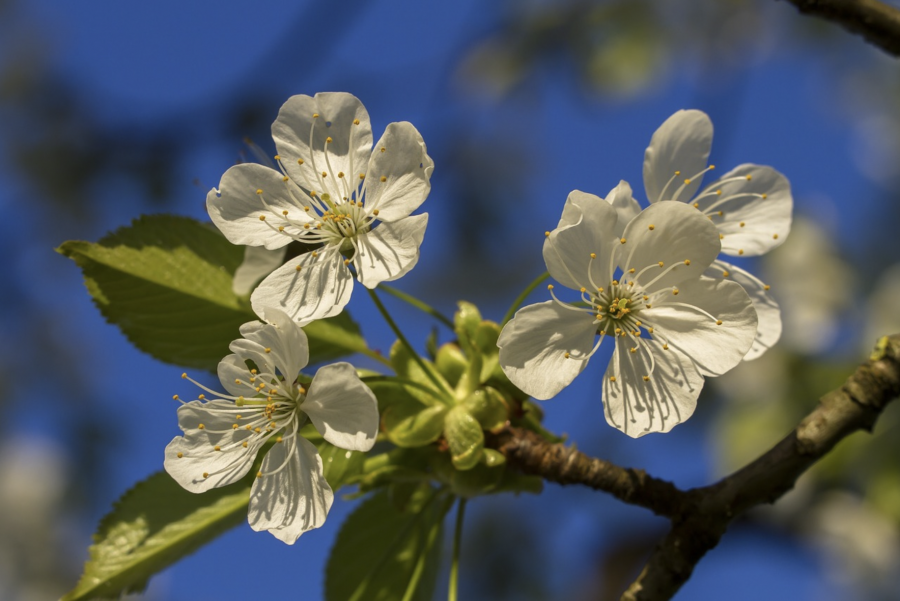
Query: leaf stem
column 521, row 298
column 457, row 539
column 390, row 321
column 420, row 305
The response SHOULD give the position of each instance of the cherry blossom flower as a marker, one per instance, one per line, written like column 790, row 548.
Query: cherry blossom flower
column 333, row 191
column 750, row 206
column 266, row 404
column 645, row 289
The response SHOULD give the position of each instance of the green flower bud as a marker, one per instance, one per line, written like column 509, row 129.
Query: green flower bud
column 465, row 438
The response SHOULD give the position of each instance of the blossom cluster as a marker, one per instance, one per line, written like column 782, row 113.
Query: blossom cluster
column 650, row 279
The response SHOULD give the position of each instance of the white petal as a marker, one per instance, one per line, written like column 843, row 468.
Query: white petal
column 235, row 207
column 767, row 310
column 750, row 225
column 320, row 289
column 287, row 342
column 687, row 322
column 682, row 143
column 197, row 447
column 401, row 159
column 342, row 408
column 389, row 251
column 296, row 498
column 234, row 375
column 348, row 151
column 667, row 398
column 627, row 208
column 534, row 344
column 679, row 233
column 258, row 263
column 588, row 225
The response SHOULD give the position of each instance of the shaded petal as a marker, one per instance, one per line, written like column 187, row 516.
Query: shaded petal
column 767, row 310
column 197, row 447
column 235, row 207
column 401, row 159
column 258, row 263
column 667, row 398
column 389, row 251
column 682, row 143
column 679, row 233
column 587, row 225
column 348, row 151
column 288, row 344
column 294, row 499
column 534, row 344
column 627, row 208
column 320, row 289
column 234, row 375
column 687, row 322
column 766, row 221
column 342, row 408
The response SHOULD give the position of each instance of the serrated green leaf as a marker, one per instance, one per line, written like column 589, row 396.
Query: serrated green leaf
column 383, row 554
column 152, row 526
column 166, row 282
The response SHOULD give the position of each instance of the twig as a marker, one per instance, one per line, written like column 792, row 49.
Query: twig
column 876, row 21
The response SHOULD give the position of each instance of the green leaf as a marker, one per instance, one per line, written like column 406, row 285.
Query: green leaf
column 339, row 466
column 383, row 554
column 166, row 282
column 152, row 526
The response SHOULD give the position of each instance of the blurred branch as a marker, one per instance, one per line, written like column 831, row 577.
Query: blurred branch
column 701, row 516
column 877, row 22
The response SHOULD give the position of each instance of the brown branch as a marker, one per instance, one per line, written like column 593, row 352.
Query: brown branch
column 854, row 406
column 877, row 22
column 531, row 454
column 701, row 516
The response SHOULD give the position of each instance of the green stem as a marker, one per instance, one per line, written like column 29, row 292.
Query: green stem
column 457, row 539
column 421, row 306
column 521, row 298
column 405, row 382
column 377, row 356
column 442, row 386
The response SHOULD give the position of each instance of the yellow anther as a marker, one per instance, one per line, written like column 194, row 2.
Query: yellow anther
column 618, row 330
column 257, row 430
column 615, row 282
column 244, row 444
column 675, row 291
column 206, row 474
column 633, row 349
column 687, row 261
column 665, row 347
column 234, row 426
column 612, row 378
column 593, row 255
column 711, row 167
column 766, row 287
column 362, row 176
column 277, row 157
column 268, row 350
column 622, row 240
column 718, row 322
column 375, row 212
column 312, row 193
column 600, row 289
column 678, row 173
column 201, row 427
column 646, row 378
column 175, row 397
column 635, row 332
column 765, row 196
column 279, row 439
column 749, row 177
column 661, row 264
column 648, row 306
column 583, row 289
column 549, row 286
column 184, row 376
column 546, row 234
column 645, row 297
column 696, row 205
column 652, row 227
column 566, row 355
column 201, row 396
column 719, row 192
column 721, row 214
column 774, row 236
column 328, row 140
column 631, row 271
column 259, row 474
column 741, row 251
column 237, row 381
column 725, row 274
column 649, row 330
column 383, row 149
column 721, row 236
column 217, row 448
column 180, row 455
column 299, row 267
column 687, row 181
column 259, row 190
column 247, row 427
column 315, row 115
column 299, row 161
column 356, row 122
column 324, row 174
column 383, row 178
column 262, row 217
column 340, row 174
column 346, row 261
column 314, row 254
column 742, row 224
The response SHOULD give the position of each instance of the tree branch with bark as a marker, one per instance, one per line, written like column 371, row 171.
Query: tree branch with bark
column 701, row 516
column 877, row 22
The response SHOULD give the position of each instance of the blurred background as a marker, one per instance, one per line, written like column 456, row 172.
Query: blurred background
column 109, row 110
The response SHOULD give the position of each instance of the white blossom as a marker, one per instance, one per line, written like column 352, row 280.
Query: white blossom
column 266, row 404
column 645, row 289
column 750, row 206
column 335, row 192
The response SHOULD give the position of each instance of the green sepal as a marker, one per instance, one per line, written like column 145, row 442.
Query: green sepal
column 412, row 424
column 493, row 458
column 451, row 363
column 465, row 324
column 383, row 554
column 465, row 438
column 406, row 366
column 488, row 407
column 486, row 336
